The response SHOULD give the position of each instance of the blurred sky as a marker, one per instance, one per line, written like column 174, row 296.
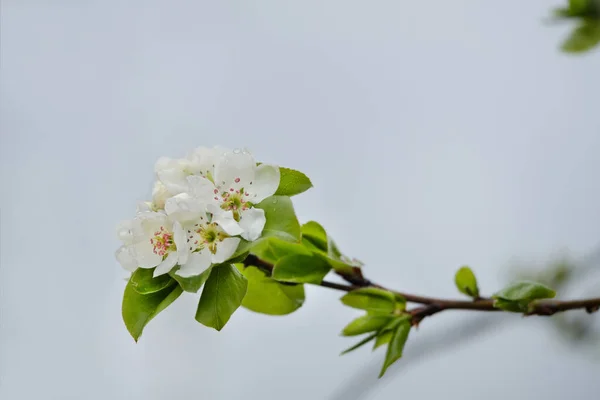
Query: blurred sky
column 437, row 133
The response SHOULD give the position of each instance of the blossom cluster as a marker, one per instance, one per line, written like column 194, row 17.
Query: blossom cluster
column 202, row 206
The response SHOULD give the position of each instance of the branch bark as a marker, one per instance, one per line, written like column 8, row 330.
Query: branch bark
column 432, row 305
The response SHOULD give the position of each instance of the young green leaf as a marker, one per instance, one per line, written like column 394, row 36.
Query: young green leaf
column 383, row 338
column 370, row 299
column 314, row 233
column 584, row 37
column 366, row 323
column 525, row 291
column 300, row 268
column 517, row 296
column 359, row 344
column 281, row 219
column 139, row 309
column 143, row 282
column 396, row 345
column 222, row 295
column 273, row 249
column 292, row 182
column 466, row 282
column 193, row 283
column 267, row 296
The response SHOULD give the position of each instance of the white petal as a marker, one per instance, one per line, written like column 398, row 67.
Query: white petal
column 196, row 264
column 143, row 252
column 160, row 194
column 203, row 189
column 203, row 159
column 265, row 182
column 125, row 231
column 225, row 249
column 235, row 169
column 166, row 265
column 126, row 259
column 226, row 221
column 252, row 222
column 185, row 208
column 180, row 239
column 143, row 206
column 172, row 174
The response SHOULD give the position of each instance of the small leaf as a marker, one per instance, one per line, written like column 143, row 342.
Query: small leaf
column 292, row 182
column 396, row 345
column 366, row 323
column 273, row 249
column 525, row 291
column 466, row 282
column 316, row 235
column 300, row 268
column 383, row 338
column 193, row 283
column 222, row 295
column 359, row 344
column 143, row 282
column 370, row 299
column 512, row 306
column 584, row 37
column 281, row 219
column 139, row 309
column 267, row 296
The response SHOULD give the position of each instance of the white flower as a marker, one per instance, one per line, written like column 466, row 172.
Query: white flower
column 160, row 194
column 237, row 185
column 173, row 173
column 154, row 239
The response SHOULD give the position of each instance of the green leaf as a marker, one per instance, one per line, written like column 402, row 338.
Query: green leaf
column 359, row 344
column 143, row 282
column 316, row 235
column 193, row 283
column 292, row 182
column 139, row 309
column 517, row 296
column 366, row 323
column 383, row 338
column 584, row 37
column 222, row 295
column 281, row 219
column 300, row 268
column 273, row 249
column 370, row 299
column 396, row 345
column 267, row 296
column 512, row 306
column 525, row 291
column 466, row 282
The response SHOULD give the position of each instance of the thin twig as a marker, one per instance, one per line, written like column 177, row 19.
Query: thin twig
column 433, row 305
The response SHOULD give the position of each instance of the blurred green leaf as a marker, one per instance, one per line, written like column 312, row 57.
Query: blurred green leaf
column 584, row 37
column 359, row 344
column 383, row 338
column 365, row 324
column 396, row 345
column 466, row 282
column 371, row 299
column 517, row 296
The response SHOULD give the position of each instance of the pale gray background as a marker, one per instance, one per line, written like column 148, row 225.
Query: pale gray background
column 436, row 133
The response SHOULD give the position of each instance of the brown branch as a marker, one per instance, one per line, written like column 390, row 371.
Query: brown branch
column 433, row 305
